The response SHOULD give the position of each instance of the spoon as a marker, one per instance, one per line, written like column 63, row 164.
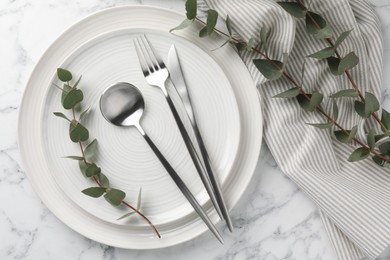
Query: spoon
column 122, row 104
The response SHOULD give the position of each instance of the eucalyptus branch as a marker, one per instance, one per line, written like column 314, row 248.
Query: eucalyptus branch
column 72, row 97
column 347, row 71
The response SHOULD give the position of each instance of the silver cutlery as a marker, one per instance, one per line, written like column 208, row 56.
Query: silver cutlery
column 177, row 78
column 122, row 104
column 156, row 74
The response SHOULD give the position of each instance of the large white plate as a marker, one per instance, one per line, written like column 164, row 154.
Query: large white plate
column 39, row 165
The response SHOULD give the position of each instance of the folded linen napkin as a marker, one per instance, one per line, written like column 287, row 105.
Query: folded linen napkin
column 354, row 198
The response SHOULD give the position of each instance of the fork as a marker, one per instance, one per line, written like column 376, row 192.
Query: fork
column 156, row 74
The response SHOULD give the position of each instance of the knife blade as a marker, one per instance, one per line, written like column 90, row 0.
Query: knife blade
column 178, row 80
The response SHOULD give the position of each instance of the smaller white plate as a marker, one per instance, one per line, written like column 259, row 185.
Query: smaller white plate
column 124, row 156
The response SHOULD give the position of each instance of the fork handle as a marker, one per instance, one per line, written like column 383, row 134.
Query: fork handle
column 183, row 188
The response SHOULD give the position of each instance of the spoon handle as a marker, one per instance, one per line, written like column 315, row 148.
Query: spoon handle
column 183, row 188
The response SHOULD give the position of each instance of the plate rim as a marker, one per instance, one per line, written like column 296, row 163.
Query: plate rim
column 24, row 155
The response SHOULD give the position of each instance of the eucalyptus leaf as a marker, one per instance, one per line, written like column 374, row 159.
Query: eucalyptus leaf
column 341, row 38
column 323, row 126
column 385, row 120
column 359, row 154
column 371, row 103
column 295, row 9
column 64, row 75
column 323, row 54
column 333, row 64
column 380, row 161
column 77, row 158
column 346, row 137
column 348, row 62
column 92, row 170
column 103, row 180
column 371, row 138
column 335, row 110
column 271, row 69
column 239, row 46
column 229, row 25
column 184, row 24
column 83, row 168
column 191, row 9
column 203, row 32
column 317, row 26
column 385, row 148
column 77, row 82
column 94, row 192
column 72, row 98
column 345, row 93
column 90, row 150
column 381, row 136
column 360, row 109
column 59, row 114
column 126, row 215
column 293, row 92
column 65, row 91
column 84, row 114
column 313, row 103
column 250, row 44
column 264, row 31
column 212, row 18
column 114, row 196
column 77, row 132
column 139, row 199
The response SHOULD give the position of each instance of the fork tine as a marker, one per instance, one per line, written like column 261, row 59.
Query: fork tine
column 142, row 60
column 152, row 53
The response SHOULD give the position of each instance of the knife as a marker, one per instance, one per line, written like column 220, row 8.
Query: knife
column 177, row 78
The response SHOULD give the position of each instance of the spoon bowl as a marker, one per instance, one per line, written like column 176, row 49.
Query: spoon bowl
column 122, row 104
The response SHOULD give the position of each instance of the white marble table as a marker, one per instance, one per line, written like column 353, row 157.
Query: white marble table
column 274, row 219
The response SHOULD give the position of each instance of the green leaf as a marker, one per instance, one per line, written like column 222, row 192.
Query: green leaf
column 341, row 38
column 126, row 215
column 114, row 196
column 92, row 170
column 381, row 136
column 59, row 114
column 191, row 9
column 139, row 199
column 371, row 138
column 65, row 91
column 293, row 92
column 347, row 137
column 385, row 148
column 239, row 46
column 78, row 133
column 348, row 62
column 72, row 98
column 322, row 126
column 371, row 104
column 103, row 180
column 83, row 114
column 83, row 168
column 250, row 44
column 94, row 192
column 359, row 154
column 182, row 25
column 333, row 64
column 264, row 31
column 77, row 82
column 212, row 18
column 271, row 69
column 360, row 109
column 77, row 158
column 229, row 25
column 345, row 93
column 294, row 9
column 64, row 75
column 323, row 54
column 313, row 103
column 385, row 119
column 90, row 150
column 378, row 161
column 335, row 110
column 317, row 26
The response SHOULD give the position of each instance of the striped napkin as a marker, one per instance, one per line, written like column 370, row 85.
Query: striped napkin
column 353, row 198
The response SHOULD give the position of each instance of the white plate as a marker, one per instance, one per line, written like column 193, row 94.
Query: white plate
column 34, row 131
column 124, row 155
